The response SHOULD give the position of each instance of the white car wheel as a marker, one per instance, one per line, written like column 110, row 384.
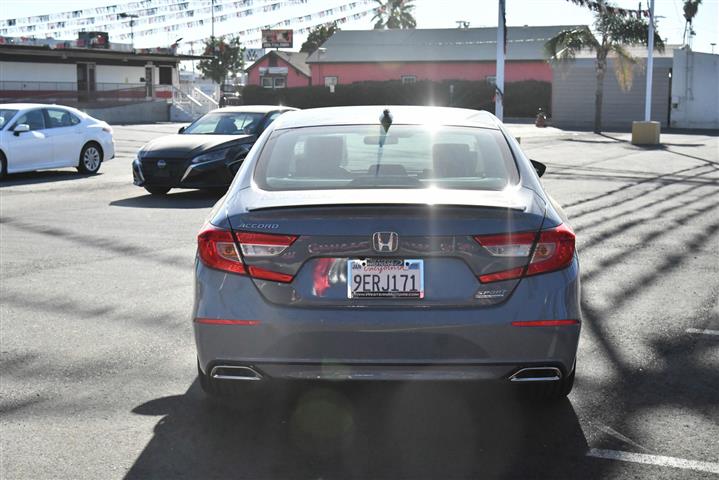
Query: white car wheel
column 90, row 158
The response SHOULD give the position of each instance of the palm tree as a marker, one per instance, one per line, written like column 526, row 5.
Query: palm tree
column 690, row 11
column 394, row 14
column 612, row 34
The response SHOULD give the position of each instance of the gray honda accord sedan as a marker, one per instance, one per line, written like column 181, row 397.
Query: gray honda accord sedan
column 387, row 243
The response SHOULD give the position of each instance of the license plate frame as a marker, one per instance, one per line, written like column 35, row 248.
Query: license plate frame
column 384, row 276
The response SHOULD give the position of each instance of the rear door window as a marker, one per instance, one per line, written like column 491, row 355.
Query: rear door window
column 57, row 118
column 364, row 156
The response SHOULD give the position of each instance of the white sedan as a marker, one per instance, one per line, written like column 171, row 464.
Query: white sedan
column 37, row 137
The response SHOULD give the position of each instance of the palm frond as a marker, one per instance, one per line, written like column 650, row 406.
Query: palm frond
column 624, row 64
column 564, row 46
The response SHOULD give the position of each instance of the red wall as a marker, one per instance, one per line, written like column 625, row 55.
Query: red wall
column 437, row 71
column 294, row 78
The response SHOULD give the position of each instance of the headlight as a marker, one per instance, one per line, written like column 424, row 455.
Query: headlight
column 211, row 156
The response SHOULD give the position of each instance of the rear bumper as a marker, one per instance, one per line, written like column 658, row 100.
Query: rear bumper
column 333, row 371
column 108, row 148
column 387, row 344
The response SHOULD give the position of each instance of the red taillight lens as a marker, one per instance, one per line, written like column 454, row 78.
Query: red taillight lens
column 217, row 250
column 545, row 323
column 554, row 251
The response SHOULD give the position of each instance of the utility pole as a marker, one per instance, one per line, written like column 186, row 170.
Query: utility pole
column 132, row 18
column 499, row 79
column 650, row 65
column 212, row 7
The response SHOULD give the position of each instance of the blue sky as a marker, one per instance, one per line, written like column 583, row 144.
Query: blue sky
column 430, row 14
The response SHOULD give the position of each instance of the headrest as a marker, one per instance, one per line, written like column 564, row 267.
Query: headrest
column 226, row 125
column 323, row 155
column 453, row 160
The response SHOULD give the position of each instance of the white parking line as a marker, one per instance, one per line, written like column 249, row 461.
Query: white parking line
column 660, row 460
column 703, row 331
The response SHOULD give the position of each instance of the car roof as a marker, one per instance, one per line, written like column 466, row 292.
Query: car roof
column 25, row 106
column 253, row 108
column 401, row 115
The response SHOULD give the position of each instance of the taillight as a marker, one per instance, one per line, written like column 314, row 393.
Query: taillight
column 263, row 244
column 554, row 251
column 217, row 249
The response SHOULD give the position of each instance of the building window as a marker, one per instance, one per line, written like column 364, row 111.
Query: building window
column 266, row 82
column 409, row 79
column 165, row 75
column 272, row 61
column 280, row 82
column 330, row 81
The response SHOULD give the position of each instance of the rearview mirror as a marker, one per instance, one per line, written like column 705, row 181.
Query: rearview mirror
column 539, row 167
column 21, row 127
column 182, row 129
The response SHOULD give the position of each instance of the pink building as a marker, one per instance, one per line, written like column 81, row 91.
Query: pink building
column 430, row 54
column 279, row 69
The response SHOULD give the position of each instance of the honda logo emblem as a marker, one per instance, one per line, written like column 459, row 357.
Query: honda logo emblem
column 385, row 241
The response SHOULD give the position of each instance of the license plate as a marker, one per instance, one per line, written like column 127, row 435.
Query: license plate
column 385, row 277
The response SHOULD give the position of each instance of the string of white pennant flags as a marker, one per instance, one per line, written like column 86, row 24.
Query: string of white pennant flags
column 174, row 15
column 143, row 9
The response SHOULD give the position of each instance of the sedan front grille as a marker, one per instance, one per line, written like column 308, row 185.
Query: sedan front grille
column 161, row 170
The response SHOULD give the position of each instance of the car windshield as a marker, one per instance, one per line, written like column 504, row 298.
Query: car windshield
column 226, row 123
column 5, row 115
column 365, row 156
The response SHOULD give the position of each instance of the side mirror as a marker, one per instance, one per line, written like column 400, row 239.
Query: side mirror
column 182, row 129
column 539, row 167
column 19, row 128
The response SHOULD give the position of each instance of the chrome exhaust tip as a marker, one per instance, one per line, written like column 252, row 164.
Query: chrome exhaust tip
column 235, row 372
column 536, row 374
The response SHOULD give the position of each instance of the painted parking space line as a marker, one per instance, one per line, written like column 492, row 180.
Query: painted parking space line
column 659, row 460
column 702, row 331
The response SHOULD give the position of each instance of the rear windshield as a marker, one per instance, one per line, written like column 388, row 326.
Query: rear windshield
column 365, row 156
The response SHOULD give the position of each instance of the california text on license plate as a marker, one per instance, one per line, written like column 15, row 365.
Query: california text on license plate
column 385, row 277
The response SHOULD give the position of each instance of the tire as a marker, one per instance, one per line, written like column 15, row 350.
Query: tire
column 3, row 165
column 551, row 391
column 155, row 190
column 90, row 158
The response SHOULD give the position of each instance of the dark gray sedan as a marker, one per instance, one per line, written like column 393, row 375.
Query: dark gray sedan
column 387, row 243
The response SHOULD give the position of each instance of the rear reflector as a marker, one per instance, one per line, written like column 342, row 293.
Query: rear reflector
column 217, row 249
column 545, row 323
column 554, row 251
column 222, row 321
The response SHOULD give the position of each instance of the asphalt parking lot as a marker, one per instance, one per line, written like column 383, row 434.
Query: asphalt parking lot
column 97, row 360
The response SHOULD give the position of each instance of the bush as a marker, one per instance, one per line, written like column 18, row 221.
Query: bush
column 522, row 99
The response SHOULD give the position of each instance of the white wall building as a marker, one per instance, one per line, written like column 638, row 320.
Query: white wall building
column 695, row 90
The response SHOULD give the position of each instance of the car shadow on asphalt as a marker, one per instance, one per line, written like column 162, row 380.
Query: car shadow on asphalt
column 183, row 199
column 361, row 430
column 44, row 176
